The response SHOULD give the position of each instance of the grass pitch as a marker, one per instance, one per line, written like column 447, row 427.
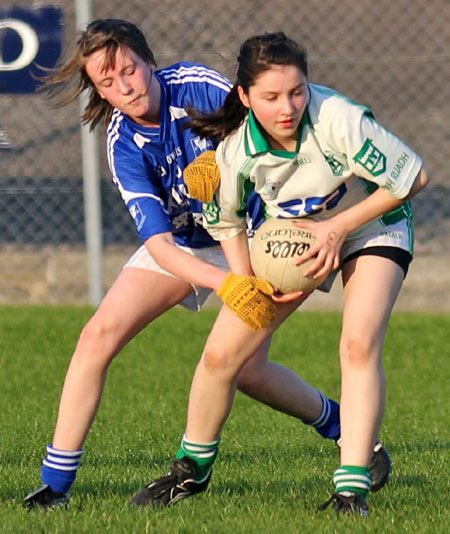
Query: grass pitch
column 272, row 472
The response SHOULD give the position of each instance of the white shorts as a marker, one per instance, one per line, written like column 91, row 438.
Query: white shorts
column 397, row 235
column 195, row 300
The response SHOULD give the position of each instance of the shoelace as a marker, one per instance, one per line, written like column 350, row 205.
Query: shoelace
column 342, row 501
column 327, row 503
column 179, row 472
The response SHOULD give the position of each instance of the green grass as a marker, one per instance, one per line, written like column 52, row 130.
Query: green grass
column 272, row 472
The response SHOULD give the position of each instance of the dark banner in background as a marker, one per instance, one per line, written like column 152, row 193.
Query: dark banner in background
column 29, row 36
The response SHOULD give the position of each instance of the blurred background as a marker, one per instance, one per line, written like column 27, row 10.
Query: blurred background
column 393, row 57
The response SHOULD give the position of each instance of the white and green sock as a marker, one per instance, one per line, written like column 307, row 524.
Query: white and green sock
column 352, row 478
column 204, row 455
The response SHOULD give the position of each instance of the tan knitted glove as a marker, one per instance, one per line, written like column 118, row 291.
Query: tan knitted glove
column 249, row 298
column 202, row 177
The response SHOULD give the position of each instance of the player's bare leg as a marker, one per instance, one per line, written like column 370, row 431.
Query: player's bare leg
column 136, row 298
column 278, row 387
column 125, row 310
column 214, row 384
column 367, row 308
column 210, row 400
column 366, row 314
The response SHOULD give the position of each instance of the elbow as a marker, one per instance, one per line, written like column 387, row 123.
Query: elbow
column 425, row 178
column 159, row 247
column 421, row 181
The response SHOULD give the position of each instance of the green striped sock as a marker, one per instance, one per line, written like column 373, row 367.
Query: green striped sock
column 352, row 478
column 204, row 455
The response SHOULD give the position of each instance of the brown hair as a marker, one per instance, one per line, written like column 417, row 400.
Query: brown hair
column 69, row 79
column 256, row 55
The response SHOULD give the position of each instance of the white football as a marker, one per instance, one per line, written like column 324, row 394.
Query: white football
column 275, row 246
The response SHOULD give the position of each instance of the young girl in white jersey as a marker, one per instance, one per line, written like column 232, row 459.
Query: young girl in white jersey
column 313, row 154
column 178, row 262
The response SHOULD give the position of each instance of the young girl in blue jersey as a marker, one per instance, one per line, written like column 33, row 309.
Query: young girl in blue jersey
column 148, row 147
column 308, row 152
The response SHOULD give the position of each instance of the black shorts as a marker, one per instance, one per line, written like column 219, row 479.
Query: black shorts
column 399, row 256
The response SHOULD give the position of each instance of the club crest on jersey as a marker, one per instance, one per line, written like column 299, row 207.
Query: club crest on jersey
column 137, row 214
column 337, row 167
column 200, row 144
column 211, row 212
column 270, row 189
column 371, row 158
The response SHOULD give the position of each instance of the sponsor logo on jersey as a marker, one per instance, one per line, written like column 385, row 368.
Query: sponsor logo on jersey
column 170, row 158
column 393, row 235
column 396, row 171
column 301, row 159
column 181, row 220
column 400, row 163
column 371, row 158
column 298, row 207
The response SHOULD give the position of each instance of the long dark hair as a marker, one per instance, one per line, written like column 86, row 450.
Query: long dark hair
column 69, row 79
column 256, row 55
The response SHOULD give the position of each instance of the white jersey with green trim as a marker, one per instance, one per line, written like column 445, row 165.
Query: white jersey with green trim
column 342, row 156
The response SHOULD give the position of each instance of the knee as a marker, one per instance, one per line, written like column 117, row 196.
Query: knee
column 357, row 351
column 93, row 333
column 218, row 361
column 95, row 342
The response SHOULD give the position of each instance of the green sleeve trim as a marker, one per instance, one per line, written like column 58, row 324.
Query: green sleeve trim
column 402, row 212
column 245, row 186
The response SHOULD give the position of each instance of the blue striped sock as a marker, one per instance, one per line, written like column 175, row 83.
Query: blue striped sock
column 59, row 468
column 328, row 424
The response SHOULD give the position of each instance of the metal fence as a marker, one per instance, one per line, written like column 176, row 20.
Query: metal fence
column 391, row 56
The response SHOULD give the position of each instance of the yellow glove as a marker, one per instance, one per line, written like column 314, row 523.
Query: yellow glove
column 202, row 176
column 249, row 298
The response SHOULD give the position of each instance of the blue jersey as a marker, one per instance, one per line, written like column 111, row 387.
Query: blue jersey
column 147, row 163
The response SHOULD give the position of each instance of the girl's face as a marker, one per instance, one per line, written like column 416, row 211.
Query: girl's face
column 278, row 100
column 128, row 86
